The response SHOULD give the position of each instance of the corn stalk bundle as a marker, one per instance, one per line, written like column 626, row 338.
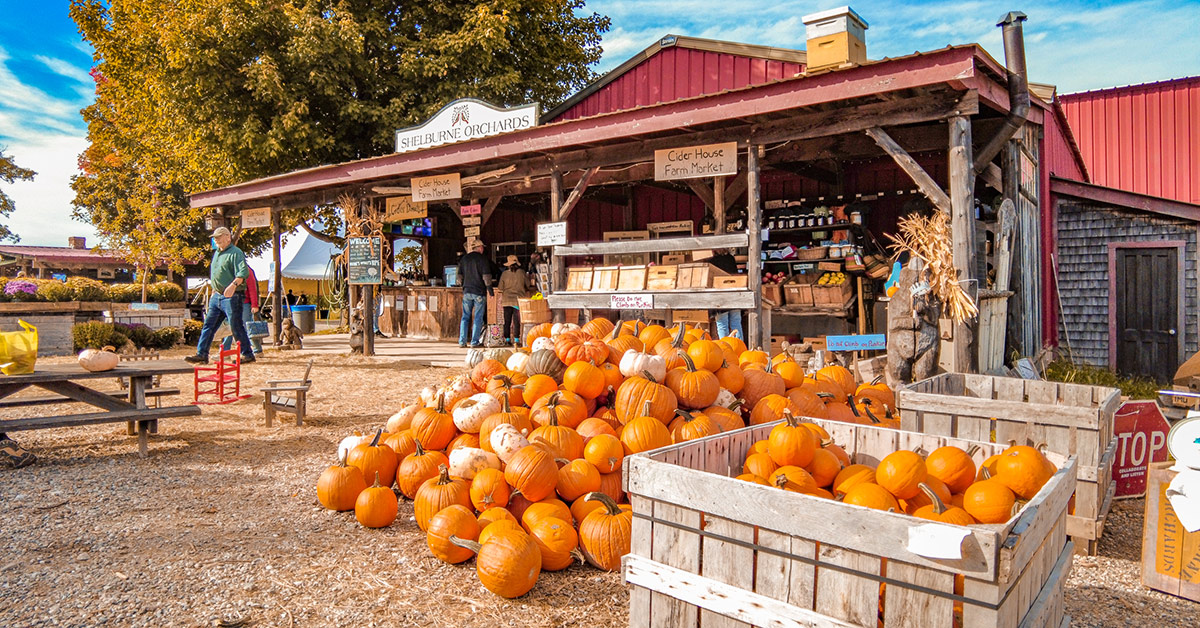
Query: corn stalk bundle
column 929, row 238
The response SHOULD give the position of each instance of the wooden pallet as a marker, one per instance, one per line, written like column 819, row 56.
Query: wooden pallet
column 1070, row 419
column 710, row 550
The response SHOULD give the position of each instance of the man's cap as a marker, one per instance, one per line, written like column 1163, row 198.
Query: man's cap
column 221, row 231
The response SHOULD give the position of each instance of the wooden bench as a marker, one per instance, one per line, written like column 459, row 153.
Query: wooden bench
column 288, row 395
column 24, row 402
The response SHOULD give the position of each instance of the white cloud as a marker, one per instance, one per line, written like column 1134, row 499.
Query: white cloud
column 43, row 214
column 60, row 67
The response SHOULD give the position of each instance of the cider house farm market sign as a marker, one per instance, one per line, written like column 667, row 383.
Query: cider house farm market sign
column 463, row 120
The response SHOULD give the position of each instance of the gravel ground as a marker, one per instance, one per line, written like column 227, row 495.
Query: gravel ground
column 221, row 523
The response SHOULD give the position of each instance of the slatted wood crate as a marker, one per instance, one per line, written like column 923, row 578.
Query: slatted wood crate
column 1170, row 554
column 710, row 550
column 1070, row 419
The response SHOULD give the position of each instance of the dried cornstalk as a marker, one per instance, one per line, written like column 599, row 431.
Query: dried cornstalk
column 929, row 238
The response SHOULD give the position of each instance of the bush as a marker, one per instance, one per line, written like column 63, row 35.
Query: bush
column 84, row 289
column 164, row 292
column 166, row 338
column 124, row 292
column 94, row 335
column 140, row 334
column 21, row 290
column 191, row 331
column 52, row 290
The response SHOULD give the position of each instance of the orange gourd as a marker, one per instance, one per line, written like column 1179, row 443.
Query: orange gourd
column 599, row 327
column 533, row 472
column 536, row 387
column 770, row 409
column 693, row 388
column 577, row 346
column 807, row 403
column 437, row 493
column 372, row 458
column 901, row 473
column 605, row 452
column 937, row 510
column 791, row 443
column 489, row 490
column 584, row 379
column 434, row 427
column 953, row 466
column 759, row 384
column 376, row 506
column 483, row 372
column 561, row 442
column 870, row 495
column 566, row 407
column 636, row 392
column 621, row 341
column 557, row 541
column 516, row 417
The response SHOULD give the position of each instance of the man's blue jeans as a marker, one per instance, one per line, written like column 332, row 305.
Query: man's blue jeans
column 255, row 343
column 473, row 313
column 730, row 320
column 219, row 309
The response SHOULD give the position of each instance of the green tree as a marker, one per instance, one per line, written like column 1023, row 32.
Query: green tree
column 9, row 173
column 408, row 259
column 153, row 238
column 195, row 94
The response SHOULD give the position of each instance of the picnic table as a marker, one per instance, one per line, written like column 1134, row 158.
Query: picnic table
column 73, row 383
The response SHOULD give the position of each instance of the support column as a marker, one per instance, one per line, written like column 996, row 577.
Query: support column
column 962, row 229
column 558, row 266
column 719, row 206
column 755, row 326
column 277, row 297
column 369, row 320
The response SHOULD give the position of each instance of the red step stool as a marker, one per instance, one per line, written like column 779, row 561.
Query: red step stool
column 223, row 379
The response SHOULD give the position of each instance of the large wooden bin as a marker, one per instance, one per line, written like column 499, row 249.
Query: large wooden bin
column 1070, row 419
column 710, row 550
column 1170, row 554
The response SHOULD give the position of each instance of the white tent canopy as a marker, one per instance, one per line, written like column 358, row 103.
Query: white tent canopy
column 303, row 257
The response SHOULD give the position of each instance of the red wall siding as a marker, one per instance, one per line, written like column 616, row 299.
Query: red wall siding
column 1056, row 150
column 508, row 226
column 677, row 73
column 1143, row 138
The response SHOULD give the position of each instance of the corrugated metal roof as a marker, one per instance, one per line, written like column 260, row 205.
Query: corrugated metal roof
column 1141, row 138
column 62, row 254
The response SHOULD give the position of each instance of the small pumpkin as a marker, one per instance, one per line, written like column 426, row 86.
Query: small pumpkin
column 402, row 420
column 376, row 506
column 598, row 327
column 577, row 346
column 760, row 465
column 509, row 415
column 548, row 507
column 533, row 472
column 793, row 478
column 759, row 384
column 791, row 443
column 728, row 418
column 706, row 354
column 592, row 427
column 841, row 376
column 610, row 484
column 496, row 513
column 852, row 476
column 467, row 462
column 644, row 433
column 508, row 564
column 953, row 466
column 605, row 452
column 541, row 330
column 584, row 379
column 434, row 427
column 372, row 458
column 636, row 392
column 506, row 441
column 1024, row 470
column 824, row 467
column 339, row 486
column 545, row 362
column 770, row 409
column 97, row 360
column 557, row 541
column 507, row 385
column 694, row 388
column 489, row 490
column 482, row 372
column 869, row 495
column 402, row 443
column 692, row 425
column 455, row 520
column 418, row 467
column 901, row 473
column 637, row 364
column 730, row 378
column 564, row 406
column 576, row 478
column 620, row 342
column 561, row 442
column 605, row 534
column 437, row 493
column 989, row 501
column 937, row 510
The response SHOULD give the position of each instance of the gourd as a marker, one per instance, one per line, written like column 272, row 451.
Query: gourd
column 508, row 564
column 339, row 486
column 418, row 467
column 467, row 462
column 376, row 506
column 635, row 364
column 605, row 534
column 517, row 362
column 489, row 490
column 543, row 344
column 482, row 373
column 557, row 542
column 851, row 477
column 644, row 433
column 536, row 387
column 824, row 467
column 692, row 425
column 402, row 420
column 901, row 473
column 372, row 458
column 694, row 388
column 577, row 346
column 468, row 416
column 533, row 472
column 96, row 360
column 438, row 493
column 793, row 478
column 545, row 362
column 562, row 442
column 453, row 521
column 870, row 495
column 499, row 354
column 506, row 441
column 759, row 384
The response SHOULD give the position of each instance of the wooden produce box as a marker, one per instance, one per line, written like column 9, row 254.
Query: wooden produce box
column 697, row 275
column 606, row 278
column 534, row 311
column 731, row 281
column 1070, row 419
column 661, row 277
column 711, row 550
column 631, row 278
column 673, row 259
column 796, row 293
column 1170, row 554
column 698, row 317
column 832, row 295
column 579, row 279
column 772, row 294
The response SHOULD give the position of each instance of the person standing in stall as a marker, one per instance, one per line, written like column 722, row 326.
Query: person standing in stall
column 513, row 286
column 727, row 320
column 475, row 273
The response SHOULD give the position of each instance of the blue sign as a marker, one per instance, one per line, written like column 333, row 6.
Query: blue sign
column 869, row 342
column 143, row 306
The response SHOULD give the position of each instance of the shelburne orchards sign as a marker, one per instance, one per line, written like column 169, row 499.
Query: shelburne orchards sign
column 466, row 119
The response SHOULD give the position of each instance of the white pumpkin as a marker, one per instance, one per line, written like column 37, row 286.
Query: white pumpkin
column 558, row 329
column 455, row 391
column 96, row 360
column 470, row 412
column 466, row 462
column 350, row 442
column 725, row 398
column 633, row 363
column 428, row 397
column 506, row 441
column 543, row 343
column 517, row 361
column 403, row 419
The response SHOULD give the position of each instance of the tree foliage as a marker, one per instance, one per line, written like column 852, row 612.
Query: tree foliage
column 195, row 94
column 9, row 173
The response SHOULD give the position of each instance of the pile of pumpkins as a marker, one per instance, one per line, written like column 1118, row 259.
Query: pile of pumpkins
column 517, row 462
column 943, row 486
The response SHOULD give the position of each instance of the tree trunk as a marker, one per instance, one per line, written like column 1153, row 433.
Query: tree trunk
column 144, row 277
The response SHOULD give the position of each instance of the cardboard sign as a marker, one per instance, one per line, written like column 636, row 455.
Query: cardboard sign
column 1141, row 433
column 631, row 302
column 439, row 187
column 868, row 342
column 470, row 210
column 551, row 233
column 398, row 208
column 257, row 217
column 364, row 265
column 696, row 162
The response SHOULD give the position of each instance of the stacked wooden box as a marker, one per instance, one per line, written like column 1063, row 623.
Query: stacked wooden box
column 1068, row 419
column 1170, row 554
column 710, row 550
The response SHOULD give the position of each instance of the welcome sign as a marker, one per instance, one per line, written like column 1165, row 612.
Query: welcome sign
column 465, row 119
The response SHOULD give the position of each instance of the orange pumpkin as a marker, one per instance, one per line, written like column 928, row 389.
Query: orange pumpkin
column 870, row 495
column 757, row 356
column 939, row 511
column 599, row 327
column 418, row 467
column 989, row 501
column 852, row 476
column 841, row 376
column 494, row 514
column 376, row 506
column 339, row 486
column 489, row 490
column 901, row 473
column 549, row 507
column 730, row 377
column 402, row 443
column 437, row 493
column 707, row 355
column 953, row 466
column 759, row 384
column 921, row 499
column 610, row 484
column 759, row 464
column 791, row 372
column 508, row 384
column 605, row 535
column 692, row 425
column 622, row 340
column 791, row 443
column 1024, row 470
column 577, row 346
column 824, row 467
column 728, row 419
column 533, row 472
column 516, row 417
column 577, row 478
column 636, row 392
column 562, row 442
column 877, row 392
column 434, row 427
column 643, row 434
column 770, row 409
column 538, row 331
column 568, row 408
column 693, row 388
column 792, row 478
column 592, row 427
column 453, row 521
column 557, row 542
column 807, row 403
column 483, row 372
column 373, row 458
column 536, row 387
column 605, row 452
column 584, row 379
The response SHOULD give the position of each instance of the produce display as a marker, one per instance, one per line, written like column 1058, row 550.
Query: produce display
column 832, row 279
column 517, row 461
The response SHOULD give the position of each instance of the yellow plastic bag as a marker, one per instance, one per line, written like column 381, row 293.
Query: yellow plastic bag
column 18, row 350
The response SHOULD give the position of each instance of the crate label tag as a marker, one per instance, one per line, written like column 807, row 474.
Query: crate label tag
column 933, row 540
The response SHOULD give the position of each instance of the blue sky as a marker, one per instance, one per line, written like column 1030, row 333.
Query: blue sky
column 1075, row 45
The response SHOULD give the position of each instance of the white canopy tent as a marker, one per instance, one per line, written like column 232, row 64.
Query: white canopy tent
column 303, row 257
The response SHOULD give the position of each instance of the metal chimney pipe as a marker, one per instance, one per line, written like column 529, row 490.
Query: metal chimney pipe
column 1018, row 88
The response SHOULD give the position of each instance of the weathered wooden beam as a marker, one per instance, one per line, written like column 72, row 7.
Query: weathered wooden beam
column 558, row 268
column 686, row 243
column 736, row 188
column 962, row 230
column 993, row 178
column 719, row 204
column 277, row 297
column 755, row 325
column 693, row 299
column 577, row 193
column 700, row 189
column 924, row 182
column 489, row 208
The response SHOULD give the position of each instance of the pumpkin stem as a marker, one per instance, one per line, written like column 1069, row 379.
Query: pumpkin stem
column 678, row 341
column 443, row 474
column 376, row 484
column 646, row 408
column 578, row 555
column 507, row 406
column 474, row 546
column 608, row 502
column 420, row 450
column 736, row 404
column 442, row 403
column 375, row 441
column 854, row 408
column 985, row 472
column 869, row 414
column 648, row 375
column 972, row 451
column 688, row 362
column 616, row 333
column 791, row 419
column 939, row 507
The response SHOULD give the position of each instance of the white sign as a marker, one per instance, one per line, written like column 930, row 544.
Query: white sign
column 257, row 217
column 463, row 120
column 471, row 231
column 551, row 233
column 631, row 302
column 439, row 187
column 471, row 221
column 695, row 162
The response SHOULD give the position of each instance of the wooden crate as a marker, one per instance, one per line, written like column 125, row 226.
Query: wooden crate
column 632, row 278
column 798, row 294
column 731, row 281
column 606, row 278
column 579, row 279
column 710, row 550
column 661, row 277
column 1170, row 554
column 772, row 294
column 697, row 275
column 832, row 295
column 1070, row 419
column 690, row 316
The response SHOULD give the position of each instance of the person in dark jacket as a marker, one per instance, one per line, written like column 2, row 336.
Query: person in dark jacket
column 727, row 320
column 475, row 274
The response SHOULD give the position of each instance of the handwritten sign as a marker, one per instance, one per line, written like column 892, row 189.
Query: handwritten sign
column 398, row 208
column 364, row 264
column 470, row 210
column 696, row 162
column 257, row 217
column 471, row 231
column 868, row 342
column 551, row 233
column 631, row 302
column 439, row 187
column 471, row 221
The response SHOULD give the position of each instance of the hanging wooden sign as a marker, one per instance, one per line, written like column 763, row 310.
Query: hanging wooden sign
column 471, row 231
column 255, row 218
column 398, row 208
column 470, row 210
column 696, row 162
column 439, row 187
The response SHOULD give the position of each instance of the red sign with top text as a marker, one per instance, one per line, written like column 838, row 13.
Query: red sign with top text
column 1141, row 433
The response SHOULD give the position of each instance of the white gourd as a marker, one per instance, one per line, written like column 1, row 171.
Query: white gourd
column 506, row 441
column 634, row 363
column 466, row 462
column 724, row 398
column 517, row 361
column 96, row 360
column 350, row 442
column 456, row 390
column 469, row 414
column 402, row 420
column 543, row 343
column 558, row 329
column 428, row 397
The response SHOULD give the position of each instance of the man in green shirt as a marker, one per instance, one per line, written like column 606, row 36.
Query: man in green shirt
column 227, row 274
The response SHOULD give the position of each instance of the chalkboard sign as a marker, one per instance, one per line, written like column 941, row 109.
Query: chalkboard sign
column 364, row 260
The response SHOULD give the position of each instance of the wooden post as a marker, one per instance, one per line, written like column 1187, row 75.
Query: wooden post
column 719, row 205
column 277, row 298
column 369, row 320
column 558, row 267
column 755, row 327
column 627, row 211
column 962, row 229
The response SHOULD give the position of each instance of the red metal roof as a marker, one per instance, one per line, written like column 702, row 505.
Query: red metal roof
column 1141, row 138
column 62, row 255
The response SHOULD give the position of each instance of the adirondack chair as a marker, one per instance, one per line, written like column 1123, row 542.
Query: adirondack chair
column 288, row 395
